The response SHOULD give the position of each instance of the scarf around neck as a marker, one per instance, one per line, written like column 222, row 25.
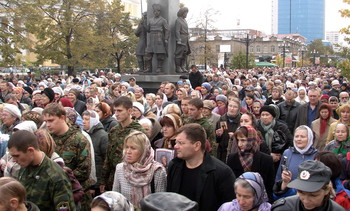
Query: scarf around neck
column 268, row 131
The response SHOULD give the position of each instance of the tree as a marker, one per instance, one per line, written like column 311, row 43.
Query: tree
column 316, row 48
column 345, row 13
column 279, row 60
column 239, row 61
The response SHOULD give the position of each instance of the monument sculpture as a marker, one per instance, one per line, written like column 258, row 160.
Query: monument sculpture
column 141, row 33
column 157, row 45
column 182, row 40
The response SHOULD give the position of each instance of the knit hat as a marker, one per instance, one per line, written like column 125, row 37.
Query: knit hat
column 116, row 201
column 75, row 92
column 38, row 110
column 269, row 109
column 28, row 89
column 222, row 98
column 325, row 97
column 49, row 93
column 13, row 110
column 335, row 82
column 139, row 106
column 207, row 86
column 164, row 201
column 26, row 125
column 66, row 102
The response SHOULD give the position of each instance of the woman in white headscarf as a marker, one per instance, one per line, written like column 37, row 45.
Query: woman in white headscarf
column 99, row 137
column 302, row 96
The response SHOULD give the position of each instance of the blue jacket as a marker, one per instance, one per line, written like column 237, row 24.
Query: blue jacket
column 294, row 160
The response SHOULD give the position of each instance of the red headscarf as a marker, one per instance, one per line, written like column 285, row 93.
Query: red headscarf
column 66, row 102
column 324, row 122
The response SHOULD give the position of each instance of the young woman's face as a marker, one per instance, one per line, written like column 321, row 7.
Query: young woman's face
column 275, row 95
column 132, row 152
column 86, row 122
column 256, row 108
column 340, row 133
column 249, row 100
column 246, row 120
column 324, row 113
column 345, row 116
column 302, row 94
column 168, row 131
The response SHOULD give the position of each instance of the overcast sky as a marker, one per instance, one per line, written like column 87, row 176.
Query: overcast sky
column 256, row 14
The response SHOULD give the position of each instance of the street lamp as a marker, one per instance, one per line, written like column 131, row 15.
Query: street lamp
column 247, row 42
column 284, row 45
column 302, row 50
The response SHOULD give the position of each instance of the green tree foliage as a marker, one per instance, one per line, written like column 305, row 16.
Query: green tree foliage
column 345, row 13
column 77, row 33
column 319, row 49
column 239, row 61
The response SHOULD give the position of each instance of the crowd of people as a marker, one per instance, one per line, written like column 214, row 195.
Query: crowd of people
column 258, row 139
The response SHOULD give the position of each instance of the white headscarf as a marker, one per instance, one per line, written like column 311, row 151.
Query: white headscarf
column 310, row 138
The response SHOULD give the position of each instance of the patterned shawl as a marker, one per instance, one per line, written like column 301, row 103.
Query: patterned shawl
column 246, row 157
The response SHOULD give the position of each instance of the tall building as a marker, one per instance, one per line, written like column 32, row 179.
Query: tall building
column 306, row 17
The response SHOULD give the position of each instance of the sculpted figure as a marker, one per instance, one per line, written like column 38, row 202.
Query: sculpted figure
column 182, row 40
column 158, row 29
column 141, row 33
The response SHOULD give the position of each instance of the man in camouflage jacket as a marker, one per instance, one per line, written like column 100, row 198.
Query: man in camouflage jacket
column 114, row 155
column 46, row 183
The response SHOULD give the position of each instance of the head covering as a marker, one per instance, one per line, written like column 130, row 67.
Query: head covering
column 176, row 119
column 207, row 86
column 250, row 88
column 335, row 82
column 58, row 90
column 310, row 139
column 75, row 92
column 174, row 202
column 38, row 110
column 325, row 97
column 72, row 115
column 246, row 157
column 208, row 104
column 18, row 89
column 45, row 141
column 312, row 176
column 94, row 118
column 139, row 106
column 105, row 108
column 13, row 110
column 140, row 174
column 257, row 183
column 222, row 98
column 324, row 122
column 269, row 109
column 116, row 201
column 28, row 89
column 29, row 126
column 66, row 102
column 49, row 93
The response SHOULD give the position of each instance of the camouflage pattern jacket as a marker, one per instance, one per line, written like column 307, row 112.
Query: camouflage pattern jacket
column 114, row 153
column 74, row 148
column 47, row 186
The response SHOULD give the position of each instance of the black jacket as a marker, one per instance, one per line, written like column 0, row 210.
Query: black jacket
column 99, row 139
column 215, row 184
column 196, row 79
column 108, row 123
column 288, row 114
column 262, row 163
column 80, row 106
column 294, row 203
column 224, row 138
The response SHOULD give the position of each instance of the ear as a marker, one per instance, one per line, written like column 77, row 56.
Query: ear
column 130, row 111
column 197, row 146
column 14, row 203
column 62, row 117
column 31, row 149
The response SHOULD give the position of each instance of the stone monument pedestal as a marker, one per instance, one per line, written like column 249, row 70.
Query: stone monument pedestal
column 169, row 9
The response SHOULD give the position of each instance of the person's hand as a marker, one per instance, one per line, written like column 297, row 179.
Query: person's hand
column 286, row 178
column 219, row 132
column 276, row 157
column 102, row 188
column 231, row 134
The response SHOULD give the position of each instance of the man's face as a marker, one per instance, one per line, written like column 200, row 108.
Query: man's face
column 313, row 97
column 54, row 123
column 185, row 148
column 344, row 97
column 132, row 82
column 3, row 87
column 7, row 119
column 24, row 159
column 122, row 114
column 194, row 112
column 167, row 89
column 87, row 93
column 184, row 106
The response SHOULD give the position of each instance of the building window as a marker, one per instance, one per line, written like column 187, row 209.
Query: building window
column 251, row 50
column 258, row 48
column 265, row 49
column 273, row 49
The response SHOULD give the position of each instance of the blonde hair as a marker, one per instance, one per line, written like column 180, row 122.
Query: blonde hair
column 11, row 188
column 139, row 139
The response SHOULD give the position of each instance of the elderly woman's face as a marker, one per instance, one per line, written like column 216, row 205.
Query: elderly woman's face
column 72, row 97
column 266, row 118
column 233, row 108
column 312, row 200
column 340, row 133
column 300, row 139
column 150, row 100
column 245, row 198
